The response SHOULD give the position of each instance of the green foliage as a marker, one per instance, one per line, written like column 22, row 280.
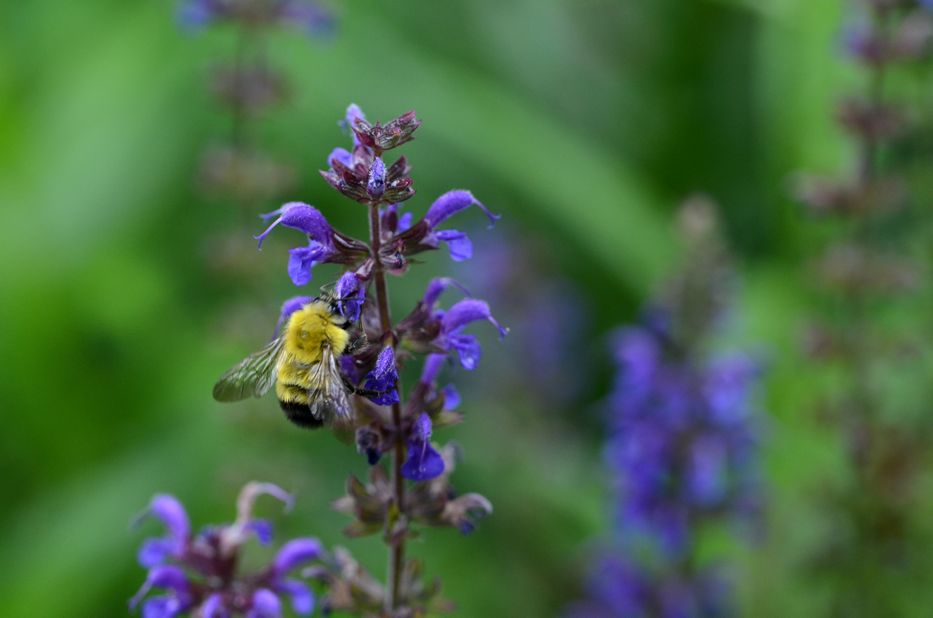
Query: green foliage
column 113, row 326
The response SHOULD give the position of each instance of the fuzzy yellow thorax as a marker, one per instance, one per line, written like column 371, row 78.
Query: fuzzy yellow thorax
column 309, row 329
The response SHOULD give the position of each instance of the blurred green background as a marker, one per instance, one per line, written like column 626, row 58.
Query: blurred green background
column 583, row 122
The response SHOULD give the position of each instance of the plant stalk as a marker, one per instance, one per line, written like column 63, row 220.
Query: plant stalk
column 396, row 547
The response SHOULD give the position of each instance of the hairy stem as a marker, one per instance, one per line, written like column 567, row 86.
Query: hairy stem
column 396, row 547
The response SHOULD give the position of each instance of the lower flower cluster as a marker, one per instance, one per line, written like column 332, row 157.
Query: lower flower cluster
column 199, row 574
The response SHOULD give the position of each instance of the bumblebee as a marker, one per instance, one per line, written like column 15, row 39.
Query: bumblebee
column 302, row 362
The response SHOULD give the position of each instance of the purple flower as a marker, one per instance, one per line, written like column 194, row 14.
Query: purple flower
column 453, row 202
column 195, row 14
column 433, row 329
column 310, row 17
column 438, row 286
column 324, row 243
column 302, row 217
column 382, row 380
column 294, row 554
column 170, row 578
column 455, row 320
column 682, row 451
column 350, row 296
column 353, row 114
column 444, row 207
column 213, row 607
column 340, row 155
column 377, row 179
column 424, row 235
column 451, row 397
column 616, row 588
column 171, row 513
column 264, row 604
column 423, row 462
column 308, row 219
column 432, row 366
column 198, row 571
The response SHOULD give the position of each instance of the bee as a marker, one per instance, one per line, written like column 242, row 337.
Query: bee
column 303, row 363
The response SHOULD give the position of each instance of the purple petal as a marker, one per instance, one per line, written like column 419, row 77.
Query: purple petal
column 353, row 113
column 213, row 607
column 167, row 577
column 170, row 512
column 155, row 551
column 302, row 259
column 468, row 349
column 385, row 365
column 294, row 553
column 383, row 378
column 162, row 607
column 262, row 529
column 302, row 217
column 309, row 17
column 432, row 366
column 342, row 155
column 458, row 243
column 467, row 311
column 421, row 430
column 376, row 185
column 349, row 296
column 385, row 398
column 451, row 203
column 707, row 473
column 349, row 369
column 289, row 307
column 404, row 221
column 301, row 597
column 451, row 397
column 234, row 535
column 437, row 287
column 265, row 604
column 423, row 462
column 195, row 14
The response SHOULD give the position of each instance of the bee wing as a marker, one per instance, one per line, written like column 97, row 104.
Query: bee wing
column 253, row 376
column 327, row 396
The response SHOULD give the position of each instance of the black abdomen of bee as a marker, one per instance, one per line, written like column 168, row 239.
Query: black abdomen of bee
column 300, row 414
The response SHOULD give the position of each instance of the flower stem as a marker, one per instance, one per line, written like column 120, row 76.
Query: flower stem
column 396, row 546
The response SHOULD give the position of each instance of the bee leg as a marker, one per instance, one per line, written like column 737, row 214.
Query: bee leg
column 356, row 344
column 365, row 392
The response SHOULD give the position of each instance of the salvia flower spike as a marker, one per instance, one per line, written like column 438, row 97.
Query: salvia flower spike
column 390, row 428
